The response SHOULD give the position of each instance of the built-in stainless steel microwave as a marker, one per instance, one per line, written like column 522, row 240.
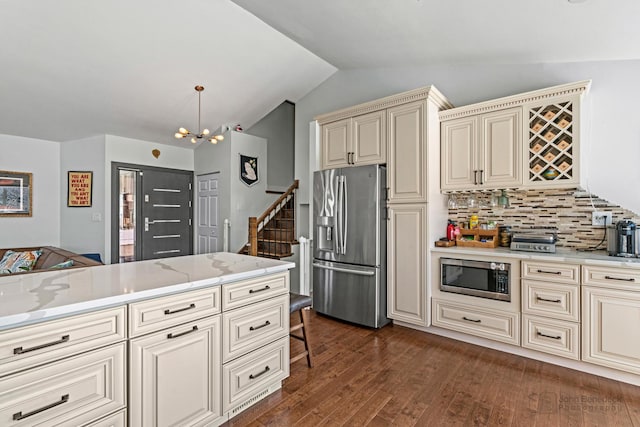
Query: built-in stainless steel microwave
column 476, row 278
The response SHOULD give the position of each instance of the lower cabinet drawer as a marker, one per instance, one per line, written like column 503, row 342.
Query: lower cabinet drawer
column 119, row 419
column 247, row 328
column 33, row 345
column 71, row 392
column 166, row 312
column 501, row 326
column 249, row 375
column 551, row 336
column 557, row 300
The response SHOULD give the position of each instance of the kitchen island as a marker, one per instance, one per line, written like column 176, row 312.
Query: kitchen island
column 189, row 340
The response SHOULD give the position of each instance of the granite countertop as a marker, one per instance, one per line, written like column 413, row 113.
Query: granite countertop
column 37, row 297
column 561, row 255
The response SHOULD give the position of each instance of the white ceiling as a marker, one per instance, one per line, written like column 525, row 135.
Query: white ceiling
column 389, row 33
column 75, row 68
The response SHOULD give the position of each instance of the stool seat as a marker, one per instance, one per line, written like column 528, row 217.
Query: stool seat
column 298, row 302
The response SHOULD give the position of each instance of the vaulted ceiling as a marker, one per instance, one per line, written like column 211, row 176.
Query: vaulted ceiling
column 75, row 68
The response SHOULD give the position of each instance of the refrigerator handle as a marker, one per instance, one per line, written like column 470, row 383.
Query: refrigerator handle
column 345, row 219
column 338, row 231
column 345, row 270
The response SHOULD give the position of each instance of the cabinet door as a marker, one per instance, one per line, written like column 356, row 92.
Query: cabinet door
column 406, row 266
column 458, row 154
column 407, row 154
column 500, row 151
column 175, row 376
column 609, row 333
column 369, row 138
column 336, row 144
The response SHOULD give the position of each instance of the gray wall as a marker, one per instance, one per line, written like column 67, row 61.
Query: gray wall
column 613, row 130
column 237, row 201
column 79, row 232
column 278, row 128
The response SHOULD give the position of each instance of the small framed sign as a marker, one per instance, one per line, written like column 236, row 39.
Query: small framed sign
column 79, row 189
column 16, row 190
column 248, row 169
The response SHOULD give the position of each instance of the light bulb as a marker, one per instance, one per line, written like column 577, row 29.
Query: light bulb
column 178, row 135
column 219, row 137
column 213, row 141
column 183, row 131
column 205, row 132
column 193, row 140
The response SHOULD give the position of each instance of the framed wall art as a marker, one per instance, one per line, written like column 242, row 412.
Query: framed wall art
column 79, row 189
column 248, row 169
column 16, row 191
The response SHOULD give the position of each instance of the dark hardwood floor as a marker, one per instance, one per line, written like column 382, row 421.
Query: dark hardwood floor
column 399, row 376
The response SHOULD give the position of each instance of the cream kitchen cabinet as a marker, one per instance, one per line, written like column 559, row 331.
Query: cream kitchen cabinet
column 255, row 341
column 611, row 311
column 483, row 322
column 407, row 163
column 69, row 371
column 175, row 375
column 412, row 153
column 482, row 151
column 70, row 392
column 551, row 307
column 407, row 263
column 356, row 141
column 528, row 140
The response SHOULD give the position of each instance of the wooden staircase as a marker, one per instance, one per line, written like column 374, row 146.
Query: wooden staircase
column 272, row 234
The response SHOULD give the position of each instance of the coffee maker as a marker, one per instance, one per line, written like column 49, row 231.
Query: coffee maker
column 623, row 239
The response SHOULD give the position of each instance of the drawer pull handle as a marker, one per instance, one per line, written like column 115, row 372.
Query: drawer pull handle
column 548, row 300
column 630, row 279
column 471, row 320
column 20, row 350
column 20, row 416
column 549, row 272
column 192, row 305
column 172, row 335
column 255, row 328
column 253, row 377
column 253, row 291
column 548, row 336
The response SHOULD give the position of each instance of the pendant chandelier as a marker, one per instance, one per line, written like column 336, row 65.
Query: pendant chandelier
column 201, row 134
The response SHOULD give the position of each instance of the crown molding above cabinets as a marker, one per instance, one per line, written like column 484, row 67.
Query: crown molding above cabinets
column 530, row 140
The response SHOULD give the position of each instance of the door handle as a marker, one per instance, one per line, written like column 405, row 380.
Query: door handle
column 481, row 173
column 475, row 177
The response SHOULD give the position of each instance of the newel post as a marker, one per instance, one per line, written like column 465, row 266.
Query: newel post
column 253, row 236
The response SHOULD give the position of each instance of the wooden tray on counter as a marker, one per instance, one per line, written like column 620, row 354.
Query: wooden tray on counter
column 491, row 237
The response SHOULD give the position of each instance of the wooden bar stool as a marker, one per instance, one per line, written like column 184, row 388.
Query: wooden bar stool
column 300, row 303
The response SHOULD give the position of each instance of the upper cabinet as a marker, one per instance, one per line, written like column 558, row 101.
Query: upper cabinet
column 354, row 141
column 531, row 140
column 398, row 130
column 482, row 152
column 553, row 142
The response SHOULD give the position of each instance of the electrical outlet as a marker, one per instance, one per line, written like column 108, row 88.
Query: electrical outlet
column 601, row 218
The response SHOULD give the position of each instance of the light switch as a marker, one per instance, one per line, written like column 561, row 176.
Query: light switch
column 96, row 217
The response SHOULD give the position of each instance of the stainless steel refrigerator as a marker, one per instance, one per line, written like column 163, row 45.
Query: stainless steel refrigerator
column 349, row 231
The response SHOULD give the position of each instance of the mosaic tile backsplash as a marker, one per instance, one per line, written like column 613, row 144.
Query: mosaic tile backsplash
column 568, row 210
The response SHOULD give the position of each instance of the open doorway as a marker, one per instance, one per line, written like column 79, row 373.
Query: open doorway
column 151, row 213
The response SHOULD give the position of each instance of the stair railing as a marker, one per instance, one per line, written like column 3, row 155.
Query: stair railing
column 257, row 224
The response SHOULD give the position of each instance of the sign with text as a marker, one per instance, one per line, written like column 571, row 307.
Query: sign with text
column 79, row 189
